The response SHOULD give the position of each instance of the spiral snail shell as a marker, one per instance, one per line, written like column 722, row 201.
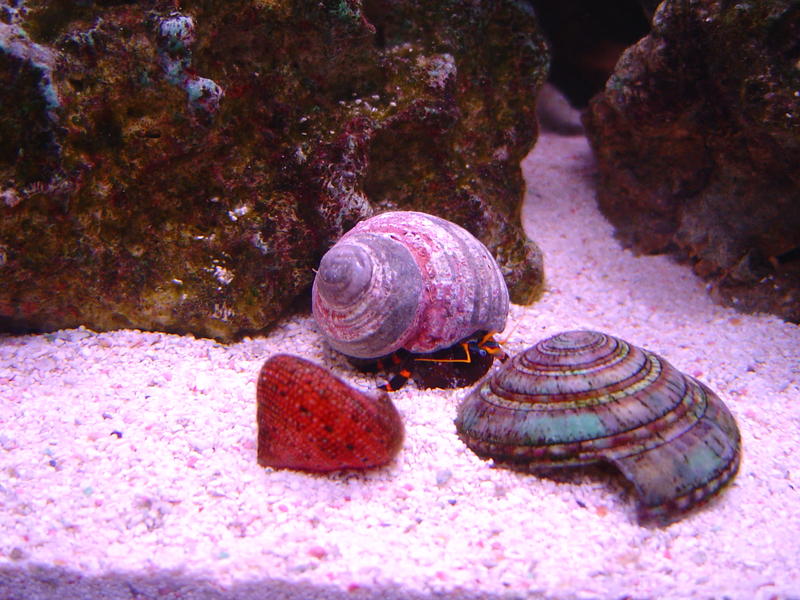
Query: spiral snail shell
column 407, row 280
column 310, row 420
column 582, row 397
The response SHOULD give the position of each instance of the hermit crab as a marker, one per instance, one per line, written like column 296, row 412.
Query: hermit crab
column 403, row 289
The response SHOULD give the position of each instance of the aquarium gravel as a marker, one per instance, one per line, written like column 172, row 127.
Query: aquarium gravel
column 128, row 459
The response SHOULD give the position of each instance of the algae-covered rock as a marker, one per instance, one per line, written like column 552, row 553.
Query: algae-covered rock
column 697, row 136
column 185, row 170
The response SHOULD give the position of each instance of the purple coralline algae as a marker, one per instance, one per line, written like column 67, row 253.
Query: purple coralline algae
column 175, row 36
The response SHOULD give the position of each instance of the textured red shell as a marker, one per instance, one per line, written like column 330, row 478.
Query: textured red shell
column 310, row 420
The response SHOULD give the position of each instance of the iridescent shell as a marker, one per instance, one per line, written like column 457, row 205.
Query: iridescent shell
column 582, row 397
column 310, row 420
column 407, row 280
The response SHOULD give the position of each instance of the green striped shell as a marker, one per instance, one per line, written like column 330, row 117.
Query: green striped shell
column 582, row 397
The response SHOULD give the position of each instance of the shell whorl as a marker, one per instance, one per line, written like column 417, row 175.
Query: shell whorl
column 582, row 397
column 407, row 280
column 356, row 276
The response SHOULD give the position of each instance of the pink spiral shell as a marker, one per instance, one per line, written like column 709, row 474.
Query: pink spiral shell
column 407, row 280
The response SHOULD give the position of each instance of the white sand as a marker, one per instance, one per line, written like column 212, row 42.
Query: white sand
column 127, row 459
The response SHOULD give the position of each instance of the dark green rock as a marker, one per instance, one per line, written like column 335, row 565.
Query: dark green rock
column 184, row 171
column 697, row 136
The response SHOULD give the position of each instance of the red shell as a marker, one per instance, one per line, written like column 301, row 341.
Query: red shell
column 310, row 420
